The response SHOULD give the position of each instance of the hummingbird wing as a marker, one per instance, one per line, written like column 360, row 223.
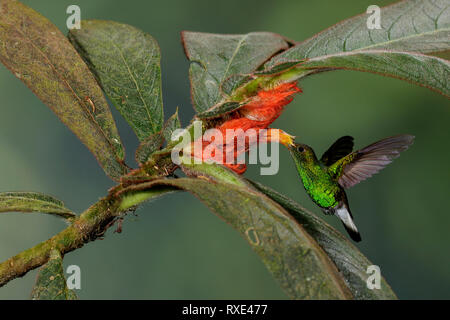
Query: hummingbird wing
column 362, row 164
column 342, row 147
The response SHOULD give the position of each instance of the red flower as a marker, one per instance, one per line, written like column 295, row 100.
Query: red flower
column 259, row 113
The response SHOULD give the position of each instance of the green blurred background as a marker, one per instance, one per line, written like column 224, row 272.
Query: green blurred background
column 174, row 248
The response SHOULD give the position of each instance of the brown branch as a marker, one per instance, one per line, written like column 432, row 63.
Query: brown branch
column 90, row 225
column 93, row 223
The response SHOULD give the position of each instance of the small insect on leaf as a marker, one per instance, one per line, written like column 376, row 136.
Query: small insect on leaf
column 91, row 104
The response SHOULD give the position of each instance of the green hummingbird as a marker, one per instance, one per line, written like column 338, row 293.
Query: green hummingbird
column 339, row 168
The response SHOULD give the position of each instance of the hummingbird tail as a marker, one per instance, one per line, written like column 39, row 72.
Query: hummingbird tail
column 346, row 217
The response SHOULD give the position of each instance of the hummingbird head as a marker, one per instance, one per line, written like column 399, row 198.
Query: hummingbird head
column 302, row 152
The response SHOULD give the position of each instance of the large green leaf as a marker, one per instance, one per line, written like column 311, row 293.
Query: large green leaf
column 33, row 202
column 423, row 70
column 51, row 283
column 349, row 260
column 295, row 259
column 216, row 57
column 126, row 62
column 41, row 56
column 413, row 25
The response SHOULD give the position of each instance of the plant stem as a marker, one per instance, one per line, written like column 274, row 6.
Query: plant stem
column 89, row 226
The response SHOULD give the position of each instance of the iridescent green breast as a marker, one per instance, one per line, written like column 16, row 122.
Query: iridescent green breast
column 319, row 186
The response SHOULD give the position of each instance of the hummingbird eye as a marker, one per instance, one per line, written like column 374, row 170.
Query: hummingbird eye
column 300, row 149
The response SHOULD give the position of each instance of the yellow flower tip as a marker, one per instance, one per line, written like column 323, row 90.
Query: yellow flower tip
column 279, row 136
column 286, row 139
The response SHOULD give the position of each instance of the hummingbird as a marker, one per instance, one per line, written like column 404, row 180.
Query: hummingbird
column 340, row 168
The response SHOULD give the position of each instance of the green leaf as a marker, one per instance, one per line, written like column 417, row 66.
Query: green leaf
column 230, row 84
column 149, row 146
column 214, row 171
column 351, row 263
column 33, row 202
column 296, row 261
column 220, row 109
column 423, row 70
column 278, row 68
column 413, row 25
column 133, row 195
column 50, row 282
column 126, row 62
column 172, row 124
column 214, row 58
column 41, row 56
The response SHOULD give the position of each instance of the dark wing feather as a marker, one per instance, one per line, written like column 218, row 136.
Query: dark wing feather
column 342, row 147
column 364, row 163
